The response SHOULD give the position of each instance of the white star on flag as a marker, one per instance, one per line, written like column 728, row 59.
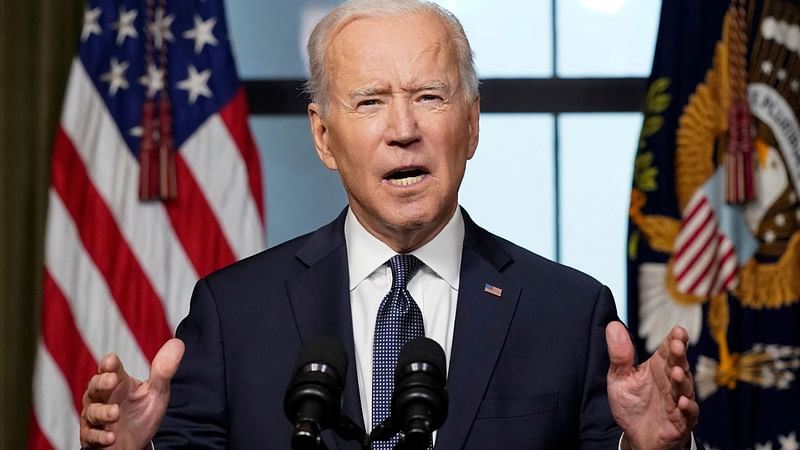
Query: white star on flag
column 202, row 33
column 767, row 446
column 116, row 76
column 196, row 84
column 124, row 25
column 766, row 67
column 153, row 80
column 789, row 442
column 160, row 28
column 90, row 25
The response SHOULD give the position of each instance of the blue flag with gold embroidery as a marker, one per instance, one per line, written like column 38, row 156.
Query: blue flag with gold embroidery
column 714, row 241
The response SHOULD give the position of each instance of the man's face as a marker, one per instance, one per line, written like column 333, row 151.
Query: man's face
column 398, row 127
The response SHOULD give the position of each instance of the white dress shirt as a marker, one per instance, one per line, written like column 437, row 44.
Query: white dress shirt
column 434, row 288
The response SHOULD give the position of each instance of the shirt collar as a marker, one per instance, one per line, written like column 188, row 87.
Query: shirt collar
column 366, row 253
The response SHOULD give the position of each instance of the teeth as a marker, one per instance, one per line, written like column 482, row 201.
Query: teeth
column 408, row 181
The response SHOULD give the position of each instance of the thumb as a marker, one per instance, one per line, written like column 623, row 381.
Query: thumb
column 165, row 364
column 620, row 349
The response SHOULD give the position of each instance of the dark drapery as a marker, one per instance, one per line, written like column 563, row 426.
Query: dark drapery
column 37, row 41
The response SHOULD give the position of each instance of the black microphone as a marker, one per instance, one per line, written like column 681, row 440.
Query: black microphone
column 313, row 400
column 419, row 401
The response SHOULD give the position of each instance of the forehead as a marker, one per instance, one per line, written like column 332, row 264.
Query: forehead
column 401, row 48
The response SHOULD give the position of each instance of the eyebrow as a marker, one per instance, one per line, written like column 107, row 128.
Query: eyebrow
column 368, row 91
column 433, row 85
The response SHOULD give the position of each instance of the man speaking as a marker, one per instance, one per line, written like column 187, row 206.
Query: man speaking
column 535, row 355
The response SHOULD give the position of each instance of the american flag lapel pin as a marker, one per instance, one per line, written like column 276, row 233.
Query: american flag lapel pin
column 494, row 290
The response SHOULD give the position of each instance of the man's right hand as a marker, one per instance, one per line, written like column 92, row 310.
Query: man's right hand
column 122, row 412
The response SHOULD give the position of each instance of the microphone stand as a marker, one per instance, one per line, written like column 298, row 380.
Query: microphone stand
column 416, row 441
column 348, row 430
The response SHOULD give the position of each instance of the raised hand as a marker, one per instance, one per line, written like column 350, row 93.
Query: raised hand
column 654, row 402
column 121, row 412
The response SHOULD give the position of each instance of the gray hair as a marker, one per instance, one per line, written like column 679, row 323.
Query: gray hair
column 334, row 21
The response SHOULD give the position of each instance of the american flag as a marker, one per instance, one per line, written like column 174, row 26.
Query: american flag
column 155, row 182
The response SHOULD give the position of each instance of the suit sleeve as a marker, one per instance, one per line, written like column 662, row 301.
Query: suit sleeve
column 598, row 429
column 196, row 416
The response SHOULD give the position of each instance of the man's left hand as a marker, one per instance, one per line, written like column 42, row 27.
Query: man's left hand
column 654, row 402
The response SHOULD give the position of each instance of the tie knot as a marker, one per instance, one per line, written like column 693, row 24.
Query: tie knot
column 404, row 267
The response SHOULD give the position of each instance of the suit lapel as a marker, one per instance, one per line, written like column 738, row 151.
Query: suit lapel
column 320, row 300
column 482, row 323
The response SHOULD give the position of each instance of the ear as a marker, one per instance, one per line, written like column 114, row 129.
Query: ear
column 319, row 131
column 473, row 120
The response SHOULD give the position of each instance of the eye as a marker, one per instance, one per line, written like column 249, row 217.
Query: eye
column 368, row 102
column 430, row 98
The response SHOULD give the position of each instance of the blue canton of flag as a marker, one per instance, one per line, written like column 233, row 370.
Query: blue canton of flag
column 200, row 74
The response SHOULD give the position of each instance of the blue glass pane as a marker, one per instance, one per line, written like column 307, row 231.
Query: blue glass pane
column 509, row 185
column 597, row 38
column 510, row 38
column 269, row 36
column 301, row 194
column 596, row 166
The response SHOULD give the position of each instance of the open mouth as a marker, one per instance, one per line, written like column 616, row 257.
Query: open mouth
column 406, row 177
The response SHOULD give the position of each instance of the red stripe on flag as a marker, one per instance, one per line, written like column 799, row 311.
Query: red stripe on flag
column 732, row 275
column 64, row 341
column 36, row 438
column 713, row 263
column 697, row 255
column 235, row 115
column 700, row 203
column 679, row 253
column 103, row 241
column 196, row 225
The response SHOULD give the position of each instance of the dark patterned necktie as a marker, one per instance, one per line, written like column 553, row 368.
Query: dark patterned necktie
column 399, row 321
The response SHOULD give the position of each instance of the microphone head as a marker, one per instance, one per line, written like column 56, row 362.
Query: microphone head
column 315, row 391
column 421, row 350
column 323, row 350
column 420, row 402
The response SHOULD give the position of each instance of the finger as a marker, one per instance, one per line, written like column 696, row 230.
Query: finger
column 99, row 415
column 110, row 363
column 101, row 386
column 620, row 349
column 682, row 385
column 166, row 363
column 93, row 438
column 680, row 333
column 690, row 411
column 678, row 354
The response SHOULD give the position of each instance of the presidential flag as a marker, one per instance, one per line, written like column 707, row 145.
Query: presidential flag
column 155, row 182
column 714, row 242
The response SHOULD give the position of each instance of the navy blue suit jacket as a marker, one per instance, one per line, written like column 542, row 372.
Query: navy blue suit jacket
column 527, row 369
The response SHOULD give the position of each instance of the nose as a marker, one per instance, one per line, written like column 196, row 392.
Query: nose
column 402, row 129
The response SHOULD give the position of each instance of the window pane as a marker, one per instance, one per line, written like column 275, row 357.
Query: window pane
column 510, row 38
column 598, row 38
column 596, row 166
column 509, row 185
column 301, row 194
column 269, row 37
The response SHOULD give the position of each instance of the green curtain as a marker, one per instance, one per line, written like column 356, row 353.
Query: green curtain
column 38, row 39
